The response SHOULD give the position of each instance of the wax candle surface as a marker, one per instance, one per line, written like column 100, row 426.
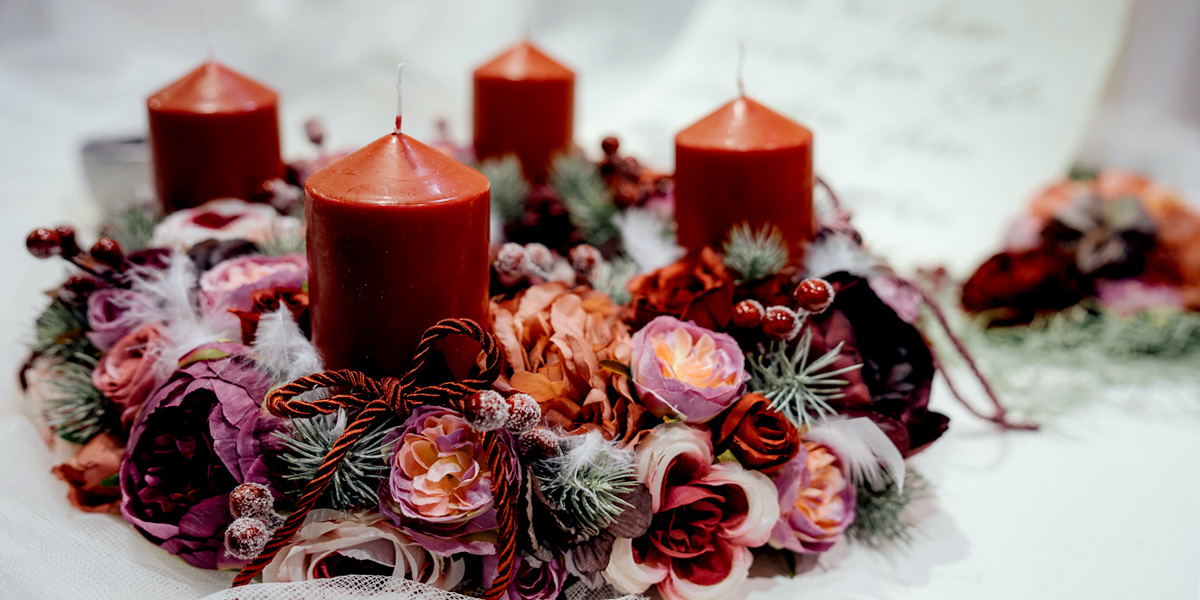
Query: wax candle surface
column 397, row 240
column 213, row 134
column 744, row 163
column 524, row 105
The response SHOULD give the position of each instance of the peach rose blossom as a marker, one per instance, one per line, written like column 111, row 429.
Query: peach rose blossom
column 816, row 500
column 128, row 373
column 685, row 371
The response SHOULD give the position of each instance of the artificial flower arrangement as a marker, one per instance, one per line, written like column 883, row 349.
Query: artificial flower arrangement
column 1109, row 260
column 641, row 418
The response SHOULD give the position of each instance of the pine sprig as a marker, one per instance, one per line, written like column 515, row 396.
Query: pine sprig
column 75, row 408
column 755, row 254
column 588, row 201
column 133, row 228
column 797, row 387
column 355, row 482
column 880, row 521
column 612, row 277
column 282, row 240
column 59, row 332
column 509, row 188
column 587, row 483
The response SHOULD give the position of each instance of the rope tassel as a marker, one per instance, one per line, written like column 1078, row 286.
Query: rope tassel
column 378, row 399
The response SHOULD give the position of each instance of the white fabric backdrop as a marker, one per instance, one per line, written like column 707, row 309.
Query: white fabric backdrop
column 1102, row 505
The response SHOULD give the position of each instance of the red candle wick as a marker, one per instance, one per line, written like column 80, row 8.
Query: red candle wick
column 398, row 119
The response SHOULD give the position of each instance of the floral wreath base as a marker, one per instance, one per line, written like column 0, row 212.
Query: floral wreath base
column 661, row 414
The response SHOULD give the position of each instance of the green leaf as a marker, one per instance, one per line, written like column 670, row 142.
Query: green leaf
column 111, row 481
column 727, row 457
column 617, row 367
column 200, row 354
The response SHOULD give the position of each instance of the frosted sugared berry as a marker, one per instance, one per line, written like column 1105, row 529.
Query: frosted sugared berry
column 486, row 410
column 748, row 314
column 108, row 251
column 246, row 537
column 66, row 236
column 43, row 243
column 584, row 258
column 537, row 444
column 510, row 261
column 538, row 258
column 251, row 500
column 523, row 413
column 780, row 323
column 814, row 295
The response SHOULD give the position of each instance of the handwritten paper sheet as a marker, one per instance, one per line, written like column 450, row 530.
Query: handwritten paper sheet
column 933, row 119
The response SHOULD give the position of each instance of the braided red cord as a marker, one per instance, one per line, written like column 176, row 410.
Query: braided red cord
column 377, row 399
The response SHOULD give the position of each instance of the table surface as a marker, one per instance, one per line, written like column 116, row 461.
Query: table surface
column 1100, row 504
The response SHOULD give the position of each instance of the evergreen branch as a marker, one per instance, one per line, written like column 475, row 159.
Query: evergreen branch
column 509, row 188
column 588, row 200
column 355, row 482
column 797, row 387
column 587, row 482
column 133, row 228
column 76, row 409
column 60, row 330
column 612, row 277
column 880, row 521
column 755, row 254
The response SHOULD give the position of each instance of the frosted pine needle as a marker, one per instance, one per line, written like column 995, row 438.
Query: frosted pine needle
column 355, row 482
column 755, row 254
column 59, row 331
column 509, row 188
column 612, row 277
column 880, row 521
column 588, row 480
column 797, row 387
column 133, row 228
column 588, row 201
column 75, row 408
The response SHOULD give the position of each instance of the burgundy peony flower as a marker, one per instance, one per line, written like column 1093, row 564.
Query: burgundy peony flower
column 113, row 313
column 92, row 474
column 128, row 374
column 229, row 285
column 536, row 580
column 685, row 371
column 893, row 386
column 760, row 437
column 696, row 288
column 199, row 436
column 1023, row 282
column 816, row 501
column 440, row 489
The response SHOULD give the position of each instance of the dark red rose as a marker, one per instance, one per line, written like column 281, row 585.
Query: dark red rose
column 760, row 437
column 695, row 288
column 1022, row 283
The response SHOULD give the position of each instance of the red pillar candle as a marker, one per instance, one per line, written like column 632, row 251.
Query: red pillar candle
column 213, row 134
column 524, row 105
column 744, row 163
column 397, row 240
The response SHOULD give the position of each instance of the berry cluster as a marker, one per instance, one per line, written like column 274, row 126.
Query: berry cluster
column 516, row 262
column 813, row 296
column 631, row 183
column 519, row 413
column 255, row 520
column 105, row 260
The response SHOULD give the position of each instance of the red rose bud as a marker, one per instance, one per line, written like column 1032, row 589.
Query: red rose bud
column 748, row 314
column 43, row 243
column 781, row 323
column 66, row 235
column 523, row 413
column 108, row 251
column 814, row 294
column 486, row 410
column 584, row 258
column 537, row 444
column 251, row 500
column 246, row 537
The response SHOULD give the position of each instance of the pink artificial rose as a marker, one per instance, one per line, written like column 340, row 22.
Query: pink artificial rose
column 231, row 283
column 685, row 371
column 706, row 519
column 127, row 373
column 225, row 219
column 333, row 543
column 816, row 499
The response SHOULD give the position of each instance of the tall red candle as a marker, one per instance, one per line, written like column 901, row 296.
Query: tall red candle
column 214, row 133
column 524, row 105
column 397, row 240
column 744, row 163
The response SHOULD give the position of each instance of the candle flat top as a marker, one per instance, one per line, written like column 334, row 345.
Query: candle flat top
column 213, row 88
column 524, row 62
column 397, row 170
column 744, row 124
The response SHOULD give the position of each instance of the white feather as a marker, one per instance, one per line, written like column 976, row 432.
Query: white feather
column 864, row 448
column 834, row 253
column 173, row 294
column 282, row 348
column 583, row 451
column 647, row 238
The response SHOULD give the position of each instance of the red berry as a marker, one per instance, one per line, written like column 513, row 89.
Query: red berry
column 251, row 500
column 780, row 323
column 66, row 234
column 246, row 537
column 537, row 444
column 814, row 294
column 486, row 410
column 584, row 258
column 748, row 314
column 524, row 413
column 43, row 243
column 609, row 145
column 108, row 251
